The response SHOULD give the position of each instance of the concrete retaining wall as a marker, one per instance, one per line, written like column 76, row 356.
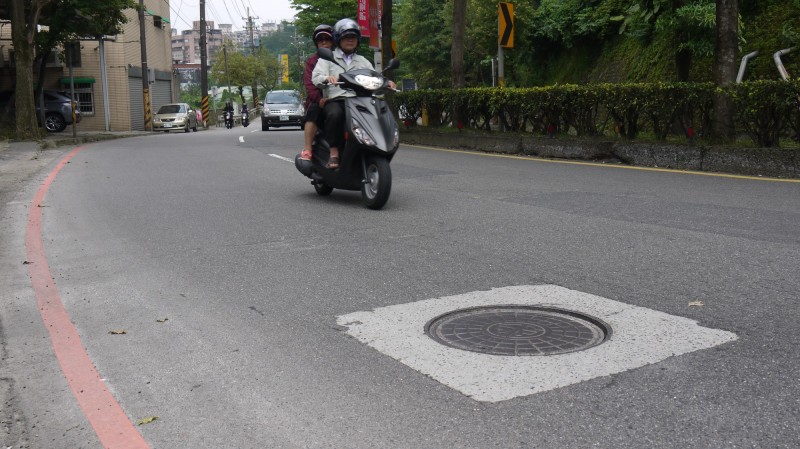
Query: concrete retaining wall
column 773, row 162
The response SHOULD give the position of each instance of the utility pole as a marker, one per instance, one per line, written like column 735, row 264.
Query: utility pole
column 253, row 52
column 250, row 27
column 227, row 75
column 297, row 43
column 203, row 64
column 145, row 73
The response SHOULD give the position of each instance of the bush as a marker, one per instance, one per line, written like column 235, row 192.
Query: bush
column 765, row 110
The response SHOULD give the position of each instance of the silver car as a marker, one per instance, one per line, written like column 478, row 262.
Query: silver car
column 175, row 117
column 282, row 108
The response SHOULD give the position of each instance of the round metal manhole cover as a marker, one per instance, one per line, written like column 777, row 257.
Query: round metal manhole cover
column 518, row 330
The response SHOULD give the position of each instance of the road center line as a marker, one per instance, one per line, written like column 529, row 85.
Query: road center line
column 282, row 158
column 104, row 413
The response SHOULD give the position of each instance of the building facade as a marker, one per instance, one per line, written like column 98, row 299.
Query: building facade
column 123, row 67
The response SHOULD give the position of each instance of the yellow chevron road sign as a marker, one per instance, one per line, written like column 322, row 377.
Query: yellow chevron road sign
column 505, row 21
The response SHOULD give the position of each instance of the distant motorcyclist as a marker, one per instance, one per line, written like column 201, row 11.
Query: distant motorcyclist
column 245, row 115
column 228, row 114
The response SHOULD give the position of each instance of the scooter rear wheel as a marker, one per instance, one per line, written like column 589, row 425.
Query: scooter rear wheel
column 375, row 191
column 323, row 189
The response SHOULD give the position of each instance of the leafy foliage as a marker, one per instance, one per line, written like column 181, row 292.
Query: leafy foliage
column 767, row 110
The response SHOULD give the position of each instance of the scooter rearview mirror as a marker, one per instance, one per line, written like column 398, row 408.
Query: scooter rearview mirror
column 393, row 64
column 327, row 54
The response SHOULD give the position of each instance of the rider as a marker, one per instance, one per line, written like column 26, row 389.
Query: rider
column 245, row 111
column 346, row 37
column 228, row 108
column 323, row 37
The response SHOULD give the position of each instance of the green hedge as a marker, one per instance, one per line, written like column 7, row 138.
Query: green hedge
column 765, row 110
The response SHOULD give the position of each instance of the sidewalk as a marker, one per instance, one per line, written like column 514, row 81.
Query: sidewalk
column 19, row 161
column 53, row 140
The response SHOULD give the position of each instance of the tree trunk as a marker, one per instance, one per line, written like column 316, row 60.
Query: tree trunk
column 23, row 31
column 726, row 45
column 457, row 54
column 683, row 58
column 387, row 52
column 457, row 48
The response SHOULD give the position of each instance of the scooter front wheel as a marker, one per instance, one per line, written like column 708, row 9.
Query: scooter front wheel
column 378, row 183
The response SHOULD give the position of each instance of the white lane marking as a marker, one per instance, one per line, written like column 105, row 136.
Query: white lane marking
column 639, row 337
column 254, row 130
column 282, row 158
column 241, row 139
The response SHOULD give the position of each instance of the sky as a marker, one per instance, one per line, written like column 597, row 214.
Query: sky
column 183, row 12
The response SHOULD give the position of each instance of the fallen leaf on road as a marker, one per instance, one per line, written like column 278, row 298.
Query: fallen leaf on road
column 147, row 420
column 696, row 304
column 118, row 332
column 162, row 320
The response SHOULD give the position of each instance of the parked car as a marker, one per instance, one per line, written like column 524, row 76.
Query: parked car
column 175, row 116
column 282, row 108
column 57, row 109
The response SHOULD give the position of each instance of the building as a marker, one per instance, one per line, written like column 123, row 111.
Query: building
column 186, row 45
column 123, row 84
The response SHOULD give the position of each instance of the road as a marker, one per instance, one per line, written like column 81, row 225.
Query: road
column 213, row 289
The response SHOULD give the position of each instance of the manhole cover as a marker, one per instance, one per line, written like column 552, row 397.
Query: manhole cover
column 517, row 330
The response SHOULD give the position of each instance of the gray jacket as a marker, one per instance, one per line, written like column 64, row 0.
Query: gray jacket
column 324, row 69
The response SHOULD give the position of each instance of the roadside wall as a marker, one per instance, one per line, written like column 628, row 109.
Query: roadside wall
column 772, row 162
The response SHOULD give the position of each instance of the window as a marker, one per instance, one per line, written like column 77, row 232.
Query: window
column 84, row 94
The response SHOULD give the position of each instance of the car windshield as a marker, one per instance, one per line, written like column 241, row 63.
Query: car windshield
column 283, row 98
column 171, row 109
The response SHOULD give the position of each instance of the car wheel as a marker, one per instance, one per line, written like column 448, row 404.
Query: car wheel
column 186, row 130
column 54, row 123
column 264, row 127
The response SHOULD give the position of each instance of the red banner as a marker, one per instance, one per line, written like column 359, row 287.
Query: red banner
column 374, row 23
column 363, row 17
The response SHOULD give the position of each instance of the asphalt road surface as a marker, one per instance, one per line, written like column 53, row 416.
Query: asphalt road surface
column 220, row 302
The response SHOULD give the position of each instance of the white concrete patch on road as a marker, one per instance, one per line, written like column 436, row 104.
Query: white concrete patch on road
column 640, row 336
column 282, row 157
column 241, row 139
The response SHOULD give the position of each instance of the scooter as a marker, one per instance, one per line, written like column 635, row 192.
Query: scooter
column 228, row 119
column 371, row 140
column 245, row 118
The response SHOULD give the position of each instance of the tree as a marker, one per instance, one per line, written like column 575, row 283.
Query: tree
column 24, row 22
column 725, row 67
column 242, row 71
column 314, row 12
column 457, row 49
column 424, row 36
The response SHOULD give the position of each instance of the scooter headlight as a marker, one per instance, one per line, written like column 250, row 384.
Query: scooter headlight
column 362, row 135
column 369, row 82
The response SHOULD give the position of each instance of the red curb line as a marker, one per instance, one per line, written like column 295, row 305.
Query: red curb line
column 104, row 413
